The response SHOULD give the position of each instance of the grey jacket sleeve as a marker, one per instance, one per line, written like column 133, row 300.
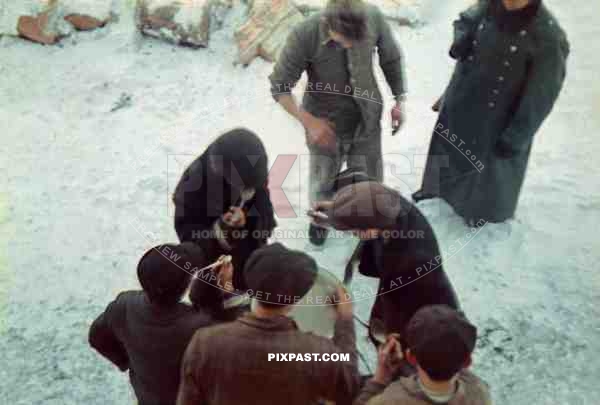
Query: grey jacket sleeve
column 292, row 61
column 390, row 57
column 544, row 81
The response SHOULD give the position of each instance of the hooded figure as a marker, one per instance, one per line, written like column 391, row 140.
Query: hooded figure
column 510, row 68
column 403, row 253
column 214, row 182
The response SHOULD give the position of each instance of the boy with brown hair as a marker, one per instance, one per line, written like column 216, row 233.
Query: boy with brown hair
column 440, row 341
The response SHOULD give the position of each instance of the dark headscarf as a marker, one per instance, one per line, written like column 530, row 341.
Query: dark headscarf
column 239, row 157
column 213, row 183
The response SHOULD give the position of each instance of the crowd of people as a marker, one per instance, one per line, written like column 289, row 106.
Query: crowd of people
column 237, row 342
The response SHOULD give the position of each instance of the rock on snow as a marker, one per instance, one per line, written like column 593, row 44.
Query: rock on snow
column 87, row 191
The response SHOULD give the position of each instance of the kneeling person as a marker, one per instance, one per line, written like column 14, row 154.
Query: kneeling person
column 440, row 342
column 231, row 363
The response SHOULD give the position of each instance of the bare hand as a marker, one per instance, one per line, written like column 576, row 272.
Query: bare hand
column 224, row 274
column 343, row 303
column 319, row 131
column 397, row 117
column 437, row 105
column 389, row 358
column 322, row 207
column 235, row 217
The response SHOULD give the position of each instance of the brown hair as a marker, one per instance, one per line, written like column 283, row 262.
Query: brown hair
column 347, row 17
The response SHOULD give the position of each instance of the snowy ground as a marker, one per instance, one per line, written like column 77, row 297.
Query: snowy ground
column 87, row 191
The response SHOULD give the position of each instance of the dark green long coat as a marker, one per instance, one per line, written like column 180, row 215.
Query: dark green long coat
column 507, row 77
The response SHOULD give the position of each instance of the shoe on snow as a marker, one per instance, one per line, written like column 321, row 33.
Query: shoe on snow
column 317, row 234
column 420, row 196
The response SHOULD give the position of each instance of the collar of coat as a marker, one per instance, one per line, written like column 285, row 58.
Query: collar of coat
column 324, row 36
column 412, row 387
column 513, row 20
column 276, row 323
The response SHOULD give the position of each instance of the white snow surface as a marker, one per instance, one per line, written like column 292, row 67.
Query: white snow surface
column 11, row 10
column 87, row 191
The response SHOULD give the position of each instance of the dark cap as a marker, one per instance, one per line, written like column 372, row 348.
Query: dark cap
column 278, row 275
column 365, row 205
column 441, row 339
column 161, row 272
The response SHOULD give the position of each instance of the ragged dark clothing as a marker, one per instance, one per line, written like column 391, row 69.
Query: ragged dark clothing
column 147, row 341
column 205, row 192
column 228, row 365
column 409, row 264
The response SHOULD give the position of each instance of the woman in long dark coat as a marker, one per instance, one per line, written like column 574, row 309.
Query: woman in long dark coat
column 510, row 69
column 214, row 183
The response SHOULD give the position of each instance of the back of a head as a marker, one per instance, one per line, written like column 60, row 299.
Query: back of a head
column 366, row 204
column 442, row 340
column 347, row 17
column 279, row 275
column 161, row 273
column 240, row 157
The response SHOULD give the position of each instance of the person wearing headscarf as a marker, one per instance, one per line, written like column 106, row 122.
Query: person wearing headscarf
column 146, row 332
column 210, row 209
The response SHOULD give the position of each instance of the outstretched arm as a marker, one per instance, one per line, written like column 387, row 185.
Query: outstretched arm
column 390, row 58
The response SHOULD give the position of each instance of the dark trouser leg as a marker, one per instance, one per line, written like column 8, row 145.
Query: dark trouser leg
column 324, row 167
column 365, row 153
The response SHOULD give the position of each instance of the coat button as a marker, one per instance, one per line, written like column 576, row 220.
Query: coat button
column 470, row 58
column 500, row 78
column 491, row 104
column 523, row 33
column 496, row 91
column 475, row 42
column 513, row 48
column 481, row 26
column 506, row 63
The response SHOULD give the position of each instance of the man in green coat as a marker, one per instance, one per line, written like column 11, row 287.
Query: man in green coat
column 342, row 105
column 511, row 63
